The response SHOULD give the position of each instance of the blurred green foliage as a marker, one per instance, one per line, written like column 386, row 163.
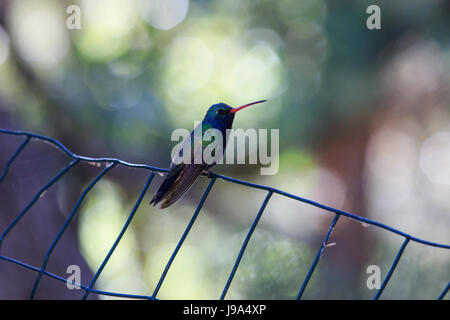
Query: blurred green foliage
column 132, row 74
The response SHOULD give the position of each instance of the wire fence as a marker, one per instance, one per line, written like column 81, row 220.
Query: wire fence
column 111, row 163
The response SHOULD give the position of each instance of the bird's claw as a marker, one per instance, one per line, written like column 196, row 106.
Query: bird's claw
column 208, row 173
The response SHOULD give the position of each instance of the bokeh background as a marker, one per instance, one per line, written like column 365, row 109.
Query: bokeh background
column 364, row 119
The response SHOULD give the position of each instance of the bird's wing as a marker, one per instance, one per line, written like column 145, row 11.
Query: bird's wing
column 165, row 186
column 183, row 182
column 181, row 176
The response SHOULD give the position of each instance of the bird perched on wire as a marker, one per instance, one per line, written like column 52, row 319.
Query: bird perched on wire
column 181, row 176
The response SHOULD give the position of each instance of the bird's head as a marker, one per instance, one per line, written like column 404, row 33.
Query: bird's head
column 223, row 113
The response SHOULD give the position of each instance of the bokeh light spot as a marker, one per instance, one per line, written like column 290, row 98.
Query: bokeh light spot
column 435, row 158
column 163, row 14
column 38, row 28
column 106, row 30
column 4, row 45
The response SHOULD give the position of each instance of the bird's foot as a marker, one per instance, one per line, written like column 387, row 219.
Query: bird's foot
column 208, row 173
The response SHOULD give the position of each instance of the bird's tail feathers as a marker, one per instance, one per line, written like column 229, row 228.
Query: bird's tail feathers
column 166, row 184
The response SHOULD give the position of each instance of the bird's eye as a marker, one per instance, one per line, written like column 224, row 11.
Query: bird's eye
column 221, row 112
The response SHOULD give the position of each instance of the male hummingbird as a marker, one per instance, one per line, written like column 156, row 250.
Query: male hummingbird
column 181, row 176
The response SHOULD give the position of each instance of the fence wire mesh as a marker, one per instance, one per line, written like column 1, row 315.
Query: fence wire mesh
column 111, row 163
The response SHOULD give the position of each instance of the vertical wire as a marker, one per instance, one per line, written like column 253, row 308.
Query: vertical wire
column 13, row 157
column 391, row 270
column 183, row 237
column 318, row 255
column 444, row 292
column 119, row 237
column 244, row 245
column 66, row 224
column 36, row 198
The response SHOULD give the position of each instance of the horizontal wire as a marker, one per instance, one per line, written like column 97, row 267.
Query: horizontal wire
column 81, row 158
column 113, row 161
column 341, row 212
column 237, row 181
column 85, row 288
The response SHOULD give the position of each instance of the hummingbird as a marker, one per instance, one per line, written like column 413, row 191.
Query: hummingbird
column 182, row 176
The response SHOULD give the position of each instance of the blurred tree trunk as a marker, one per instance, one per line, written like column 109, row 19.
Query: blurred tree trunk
column 32, row 236
column 343, row 150
column 30, row 239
